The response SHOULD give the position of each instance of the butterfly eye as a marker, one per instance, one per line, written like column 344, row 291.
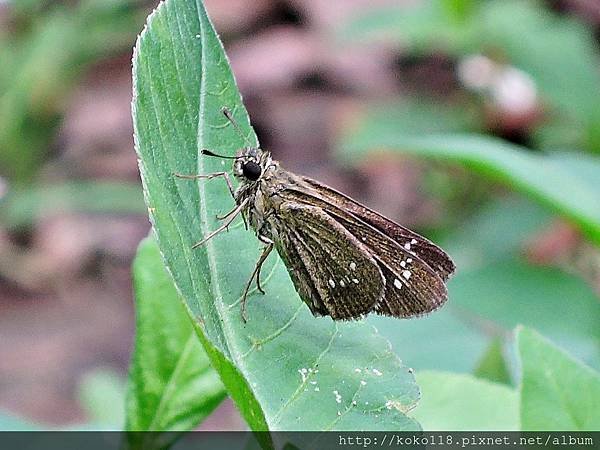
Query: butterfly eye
column 251, row 170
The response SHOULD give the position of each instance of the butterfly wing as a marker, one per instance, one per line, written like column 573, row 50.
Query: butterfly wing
column 412, row 287
column 414, row 269
column 426, row 250
column 327, row 264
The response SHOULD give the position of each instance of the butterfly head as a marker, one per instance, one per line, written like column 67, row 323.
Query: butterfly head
column 250, row 164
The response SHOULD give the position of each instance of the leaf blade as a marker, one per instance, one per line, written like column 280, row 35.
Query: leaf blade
column 177, row 113
column 557, row 391
column 461, row 402
column 169, row 372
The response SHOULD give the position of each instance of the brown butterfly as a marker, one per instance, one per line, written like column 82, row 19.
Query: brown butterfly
column 344, row 259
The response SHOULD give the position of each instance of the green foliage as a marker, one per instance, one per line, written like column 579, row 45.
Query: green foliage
column 53, row 46
column 172, row 385
column 493, row 290
column 498, row 230
column 498, row 297
column 283, row 360
column 492, row 366
column 487, row 303
column 440, row 341
column 461, row 402
column 553, row 181
column 26, row 205
column 418, row 116
column 557, row 392
column 557, row 52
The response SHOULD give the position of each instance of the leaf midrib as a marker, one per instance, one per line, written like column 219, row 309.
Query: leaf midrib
column 215, row 283
column 170, row 386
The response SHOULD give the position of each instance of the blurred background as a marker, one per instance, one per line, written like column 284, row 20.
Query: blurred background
column 324, row 82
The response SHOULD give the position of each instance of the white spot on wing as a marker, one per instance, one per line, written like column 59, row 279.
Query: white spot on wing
column 407, row 246
column 352, row 265
column 397, row 283
column 355, row 280
column 406, row 274
column 331, row 283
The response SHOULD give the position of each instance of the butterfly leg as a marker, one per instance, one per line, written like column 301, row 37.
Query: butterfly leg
column 225, row 216
column 232, row 217
column 269, row 242
column 255, row 273
column 210, row 176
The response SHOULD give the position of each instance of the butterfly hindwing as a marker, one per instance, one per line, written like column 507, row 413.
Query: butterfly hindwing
column 331, row 269
column 412, row 287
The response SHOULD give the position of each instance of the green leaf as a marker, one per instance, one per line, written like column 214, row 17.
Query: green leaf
column 557, row 392
column 172, row 386
column 439, row 341
column 502, row 295
column 487, row 303
column 492, row 366
column 283, row 361
column 460, row 402
column 475, row 242
column 416, row 116
column 545, row 179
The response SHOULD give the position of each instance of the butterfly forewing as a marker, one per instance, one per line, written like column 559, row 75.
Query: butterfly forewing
column 434, row 256
column 331, row 269
column 413, row 286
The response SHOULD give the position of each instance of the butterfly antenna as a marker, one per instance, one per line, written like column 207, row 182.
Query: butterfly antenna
column 209, row 153
column 231, row 119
